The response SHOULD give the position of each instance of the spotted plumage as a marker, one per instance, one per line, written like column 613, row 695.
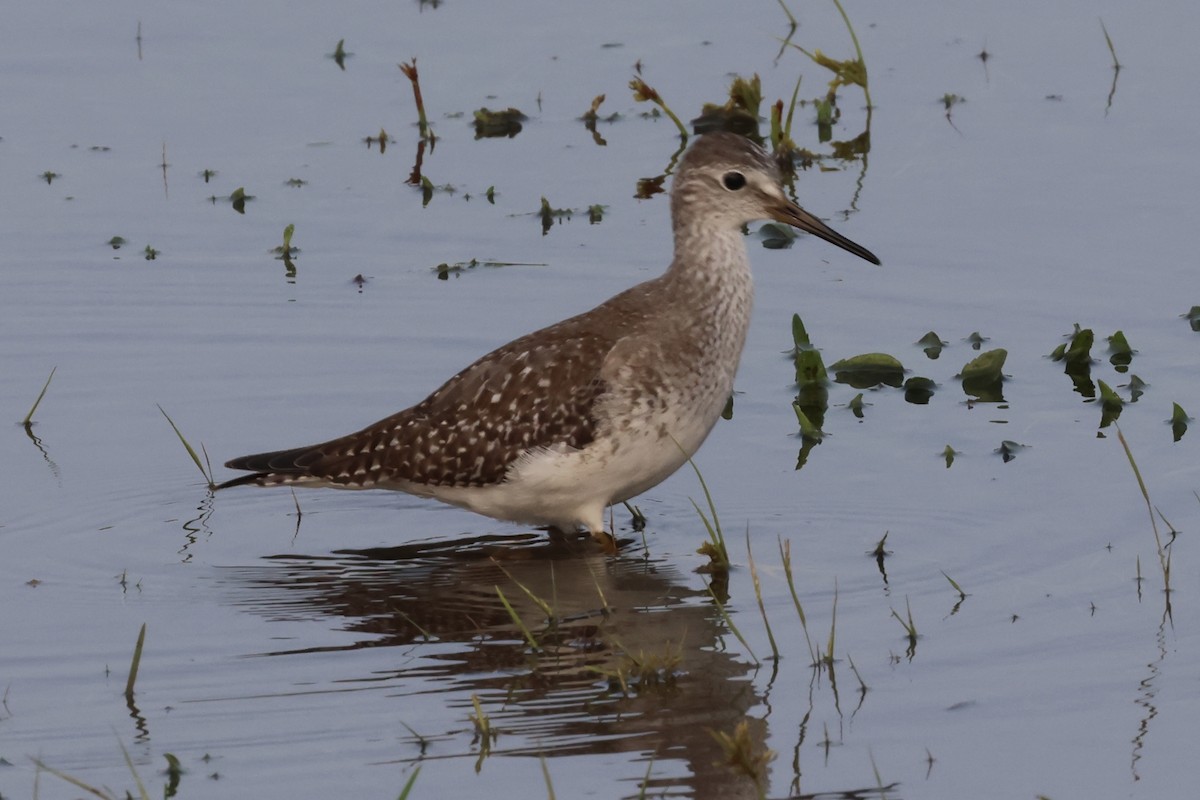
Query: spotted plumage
column 557, row 425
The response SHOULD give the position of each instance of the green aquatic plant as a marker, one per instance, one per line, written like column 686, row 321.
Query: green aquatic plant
column 410, row 72
column 983, row 377
column 931, row 344
column 644, row 93
column 340, row 55
column 910, row 628
column 868, row 370
column 505, row 123
column 785, row 556
column 1179, row 421
column 135, row 663
column 1163, row 551
column 949, row 453
column 205, row 471
column 762, row 608
column 1120, row 353
column 28, row 421
column 847, row 72
column 1111, row 404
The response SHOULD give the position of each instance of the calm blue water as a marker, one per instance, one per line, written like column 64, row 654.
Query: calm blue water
column 336, row 652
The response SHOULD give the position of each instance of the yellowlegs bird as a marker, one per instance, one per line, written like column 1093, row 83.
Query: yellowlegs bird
column 554, row 427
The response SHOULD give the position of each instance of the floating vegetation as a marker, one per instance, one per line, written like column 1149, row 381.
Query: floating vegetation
column 339, row 55
column 592, row 116
column 295, row 183
column 644, row 93
column 382, row 140
column 918, row 390
column 1179, row 421
column 1120, row 353
column 975, row 340
column 739, row 114
column 444, row 271
column 1008, row 450
column 869, row 370
column 949, row 453
column 150, row 253
column 286, row 252
column 1136, row 387
column 498, row 124
column 1110, row 405
column 812, row 399
column 239, row 198
column 208, row 174
column 982, row 377
column 949, row 101
column 1076, row 354
column 856, row 405
column 1193, row 318
column 548, row 215
column 49, row 177
column 116, row 242
column 931, row 344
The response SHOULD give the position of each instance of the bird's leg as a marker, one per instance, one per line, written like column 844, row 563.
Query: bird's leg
column 607, row 542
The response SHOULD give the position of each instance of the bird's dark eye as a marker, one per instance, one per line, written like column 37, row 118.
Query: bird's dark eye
column 733, row 180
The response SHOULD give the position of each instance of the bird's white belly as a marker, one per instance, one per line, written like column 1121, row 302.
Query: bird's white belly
column 565, row 487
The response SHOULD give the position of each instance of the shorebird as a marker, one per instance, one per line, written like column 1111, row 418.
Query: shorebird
column 554, row 427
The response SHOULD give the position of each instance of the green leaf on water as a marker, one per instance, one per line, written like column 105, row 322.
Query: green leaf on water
column 949, row 453
column 810, row 367
column 491, row 124
column 1008, row 450
column 976, row 340
column 918, row 390
column 869, row 370
column 1193, row 318
column 1136, row 387
column 986, row 366
column 116, row 242
column 932, row 344
column 982, row 377
column 856, row 405
column 239, row 198
column 1179, row 421
column 1120, row 353
column 1110, row 404
column 808, row 430
column 1079, row 349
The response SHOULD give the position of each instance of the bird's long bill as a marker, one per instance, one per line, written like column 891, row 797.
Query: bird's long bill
column 794, row 215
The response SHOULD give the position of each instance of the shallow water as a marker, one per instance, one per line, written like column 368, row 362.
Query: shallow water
column 336, row 651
